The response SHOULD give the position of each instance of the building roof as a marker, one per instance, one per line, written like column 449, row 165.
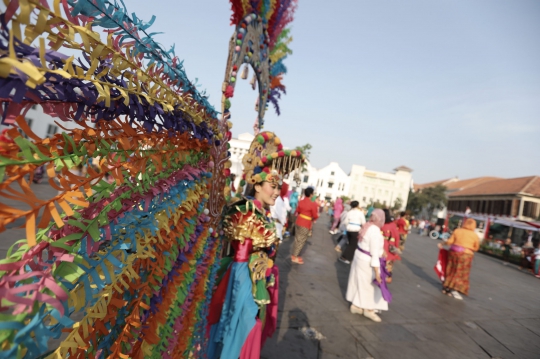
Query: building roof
column 431, row 184
column 403, row 168
column 525, row 185
column 467, row 183
column 455, row 184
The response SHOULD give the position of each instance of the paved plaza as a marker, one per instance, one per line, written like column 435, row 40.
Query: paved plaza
column 500, row 318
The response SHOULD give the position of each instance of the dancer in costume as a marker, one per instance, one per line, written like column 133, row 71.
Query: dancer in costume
column 243, row 311
column 392, row 242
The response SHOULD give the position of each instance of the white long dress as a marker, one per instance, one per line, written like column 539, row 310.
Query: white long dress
column 360, row 290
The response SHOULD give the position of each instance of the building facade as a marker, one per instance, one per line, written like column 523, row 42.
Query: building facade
column 514, row 197
column 331, row 182
column 42, row 124
column 239, row 147
column 389, row 189
column 452, row 185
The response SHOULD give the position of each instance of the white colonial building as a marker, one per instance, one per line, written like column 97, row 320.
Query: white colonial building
column 42, row 124
column 372, row 186
column 331, row 181
column 239, row 147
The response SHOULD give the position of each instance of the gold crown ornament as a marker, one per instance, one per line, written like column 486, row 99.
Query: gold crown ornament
column 267, row 161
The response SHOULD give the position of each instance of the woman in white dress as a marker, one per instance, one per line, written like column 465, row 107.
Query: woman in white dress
column 366, row 277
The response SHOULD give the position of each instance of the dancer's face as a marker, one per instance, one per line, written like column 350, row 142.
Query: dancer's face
column 266, row 193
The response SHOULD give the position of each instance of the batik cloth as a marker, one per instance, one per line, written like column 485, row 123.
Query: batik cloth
column 300, row 239
column 458, row 269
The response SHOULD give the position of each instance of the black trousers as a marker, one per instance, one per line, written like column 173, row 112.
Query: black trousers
column 351, row 247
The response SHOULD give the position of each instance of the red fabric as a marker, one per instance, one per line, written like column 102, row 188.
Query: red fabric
column 272, row 308
column 252, row 346
column 401, row 225
column 218, row 299
column 458, row 270
column 391, row 239
column 440, row 266
column 242, row 251
column 307, row 208
column 284, row 190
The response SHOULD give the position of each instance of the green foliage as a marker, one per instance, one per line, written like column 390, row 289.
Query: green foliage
column 397, row 204
column 378, row 204
column 305, row 149
column 430, row 198
column 345, row 199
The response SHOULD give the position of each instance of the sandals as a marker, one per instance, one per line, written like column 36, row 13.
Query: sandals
column 297, row 260
column 452, row 293
column 370, row 314
column 356, row 310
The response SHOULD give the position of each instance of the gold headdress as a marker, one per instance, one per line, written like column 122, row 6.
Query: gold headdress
column 267, row 161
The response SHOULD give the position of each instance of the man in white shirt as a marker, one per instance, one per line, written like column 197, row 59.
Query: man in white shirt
column 355, row 220
column 279, row 211
column 421, row 226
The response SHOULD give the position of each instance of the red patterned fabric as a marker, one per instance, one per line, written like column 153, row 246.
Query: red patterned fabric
column 391, row 239
column 458, row 270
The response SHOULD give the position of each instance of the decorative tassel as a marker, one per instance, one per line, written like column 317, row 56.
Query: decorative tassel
column 245, row 72
column 253, row 81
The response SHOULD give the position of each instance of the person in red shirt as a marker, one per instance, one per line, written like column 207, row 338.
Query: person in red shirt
column 403, row 229
column 391, row 236
column 307, row 212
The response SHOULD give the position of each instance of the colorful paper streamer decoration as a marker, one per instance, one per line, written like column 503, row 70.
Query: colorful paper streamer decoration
column 121, row 262
column 260, row 41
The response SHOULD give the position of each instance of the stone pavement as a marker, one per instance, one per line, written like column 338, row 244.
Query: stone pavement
column 499, row 319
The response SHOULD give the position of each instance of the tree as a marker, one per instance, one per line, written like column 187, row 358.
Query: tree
column 430, row 198
column 377, row 204
column 397, row 204
column 305, row 149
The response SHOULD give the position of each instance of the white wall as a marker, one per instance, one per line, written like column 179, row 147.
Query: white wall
column 370, row 186
column 331, row 182
column 239, row 147
column 42, row 124
column 362, row 185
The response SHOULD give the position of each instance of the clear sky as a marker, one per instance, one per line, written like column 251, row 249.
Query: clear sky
column 444, row 87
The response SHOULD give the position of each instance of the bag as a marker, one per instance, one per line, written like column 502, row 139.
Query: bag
column 440, row 266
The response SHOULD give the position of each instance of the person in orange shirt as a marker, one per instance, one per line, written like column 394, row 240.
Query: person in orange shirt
column 307, row 212
column 463, row 243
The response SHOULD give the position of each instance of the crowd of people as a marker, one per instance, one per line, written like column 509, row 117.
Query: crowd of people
column 372, row 240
